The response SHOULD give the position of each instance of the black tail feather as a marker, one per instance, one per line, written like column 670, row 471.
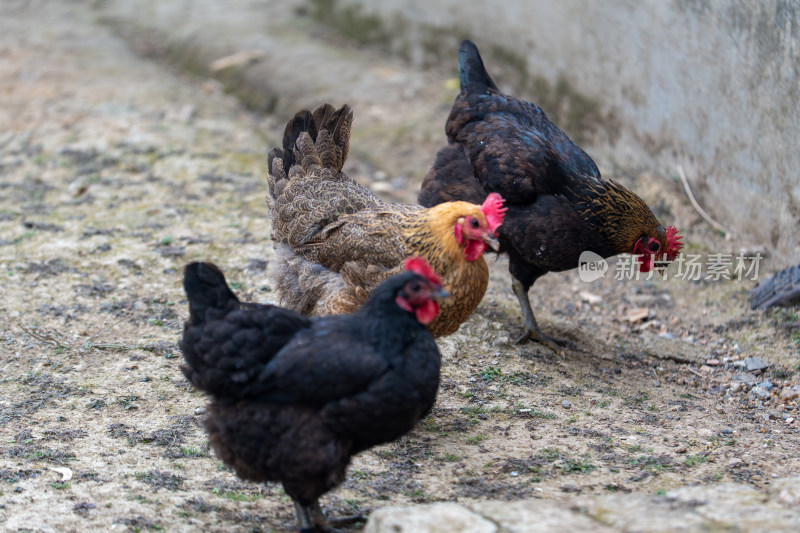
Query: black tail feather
column 301, row 122
column 472, row 74
column 206, row 288
column 327, row 124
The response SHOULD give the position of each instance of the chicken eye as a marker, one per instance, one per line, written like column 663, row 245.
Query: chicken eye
column 654, row 246
column 414, row 286
column 474, row 223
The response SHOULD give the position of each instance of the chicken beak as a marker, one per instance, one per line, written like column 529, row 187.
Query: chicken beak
column 492, row 241
column 440, row 294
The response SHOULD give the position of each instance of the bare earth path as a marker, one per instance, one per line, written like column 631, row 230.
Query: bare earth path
column 115, row 171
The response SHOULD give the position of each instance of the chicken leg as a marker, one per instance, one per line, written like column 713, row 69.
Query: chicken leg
column 311, row 519
column 304, row 516
column 531, row 328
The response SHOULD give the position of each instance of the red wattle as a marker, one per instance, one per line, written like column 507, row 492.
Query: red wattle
column 427, row 312
column 645, row 262
column 474, row 250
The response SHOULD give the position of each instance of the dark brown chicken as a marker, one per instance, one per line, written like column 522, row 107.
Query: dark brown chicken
column 335, row 240
column 294, row 398
column 558, row 205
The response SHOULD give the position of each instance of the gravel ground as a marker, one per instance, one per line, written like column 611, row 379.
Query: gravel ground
column 116, row 170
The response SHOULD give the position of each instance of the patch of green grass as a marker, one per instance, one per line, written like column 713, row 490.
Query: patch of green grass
column 359, row 474
column 577, row 466
column 140, row 499
column 635, row 401
column 604, row 404
column 128, row 402
column 192, row 451
column 491, row 373
column 431, row 424
column 549, row 454
column 237, row 496
column 451, row 457
column 59, row 485
column 23, row 236
column 694, row 460
column 476, row 439
column 97, row 403
column 650, row 463
column 417, row 495
column 475, row 411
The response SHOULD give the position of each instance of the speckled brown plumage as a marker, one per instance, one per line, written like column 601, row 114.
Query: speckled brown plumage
column 335, row 240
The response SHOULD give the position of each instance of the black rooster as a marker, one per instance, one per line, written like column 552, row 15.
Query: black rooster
column 294, row 398
column 558, row 205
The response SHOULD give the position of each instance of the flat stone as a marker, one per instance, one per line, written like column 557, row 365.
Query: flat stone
column 759, row 392
column 431, row 518
column 751, row 364
column 537, row 516
column 745, row 377
column 790, row 393
column 641, row 513
column 785, row 492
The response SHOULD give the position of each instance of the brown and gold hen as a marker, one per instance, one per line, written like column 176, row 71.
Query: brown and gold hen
column 335, row 240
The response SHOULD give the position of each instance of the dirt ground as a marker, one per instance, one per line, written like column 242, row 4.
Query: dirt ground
column 115, row 171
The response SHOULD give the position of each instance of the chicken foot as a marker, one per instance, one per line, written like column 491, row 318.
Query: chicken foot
column 531, row 329
column 311, row 519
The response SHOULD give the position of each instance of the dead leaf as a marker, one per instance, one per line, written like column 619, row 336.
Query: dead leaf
column 589, row 297
column 235, row 60
column 637, row 314
column 66, row 473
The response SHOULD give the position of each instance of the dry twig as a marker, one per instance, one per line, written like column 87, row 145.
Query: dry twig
column 700, row 210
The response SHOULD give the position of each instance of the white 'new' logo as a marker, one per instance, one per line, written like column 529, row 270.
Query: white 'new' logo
column 591, row 266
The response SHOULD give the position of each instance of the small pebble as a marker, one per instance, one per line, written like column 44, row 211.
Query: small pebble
column 200, row 411
column 752, row 364
column 566, row 405
column 789, row 393
column 712, row 362
column 766, row 385
column 760, row 393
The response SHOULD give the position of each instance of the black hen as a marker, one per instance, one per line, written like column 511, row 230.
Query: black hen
column 558, row 205
column 294, row 398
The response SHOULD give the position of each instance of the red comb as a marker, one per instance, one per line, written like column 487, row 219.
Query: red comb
column 418, row 265
column 494, row 211
column 674, row 243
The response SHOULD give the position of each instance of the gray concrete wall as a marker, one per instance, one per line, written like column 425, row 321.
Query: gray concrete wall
column 712, row 86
